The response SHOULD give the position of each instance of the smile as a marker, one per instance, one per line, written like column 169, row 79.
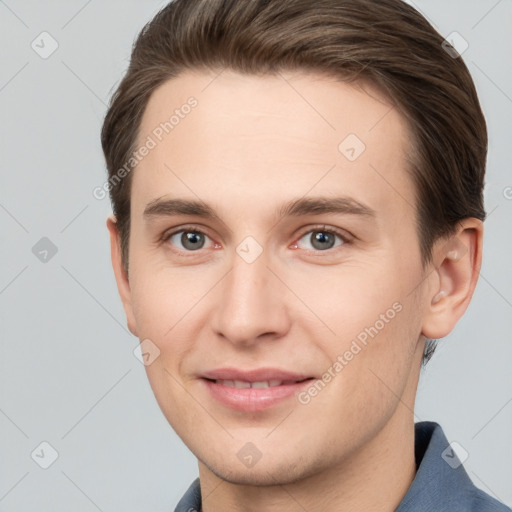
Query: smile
column 253, row 396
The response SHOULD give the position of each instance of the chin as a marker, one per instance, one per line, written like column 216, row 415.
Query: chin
column 263, row 473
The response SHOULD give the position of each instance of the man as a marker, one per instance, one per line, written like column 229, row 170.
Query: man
column 297, row 196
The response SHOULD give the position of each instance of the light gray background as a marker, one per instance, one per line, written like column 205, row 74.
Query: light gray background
column 68, row 373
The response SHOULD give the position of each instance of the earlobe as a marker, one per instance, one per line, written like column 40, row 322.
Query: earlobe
column 454, row 278
column 122, row 280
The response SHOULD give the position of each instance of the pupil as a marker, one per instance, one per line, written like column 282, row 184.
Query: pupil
column 191, row 240
column 322, row 240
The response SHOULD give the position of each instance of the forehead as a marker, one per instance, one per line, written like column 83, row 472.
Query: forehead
column 279, row 134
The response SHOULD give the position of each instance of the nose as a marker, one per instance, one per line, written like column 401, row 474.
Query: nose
column 251, row 304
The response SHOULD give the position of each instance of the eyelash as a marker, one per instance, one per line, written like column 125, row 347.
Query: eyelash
column 343, row 235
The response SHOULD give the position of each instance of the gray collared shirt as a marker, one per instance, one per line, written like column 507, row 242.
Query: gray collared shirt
column 441, row 483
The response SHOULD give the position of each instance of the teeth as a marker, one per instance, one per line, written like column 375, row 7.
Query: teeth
column 243, row 384
column 263, row 384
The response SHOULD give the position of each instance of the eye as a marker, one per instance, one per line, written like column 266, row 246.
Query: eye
column 190, row 239
column 322, row 239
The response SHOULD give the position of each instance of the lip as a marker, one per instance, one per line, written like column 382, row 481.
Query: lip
column 254, row 399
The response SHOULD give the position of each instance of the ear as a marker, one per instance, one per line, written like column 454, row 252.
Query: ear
column 123, row 284
column 454, row 278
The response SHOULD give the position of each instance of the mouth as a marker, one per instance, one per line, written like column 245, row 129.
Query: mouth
column 252, row 393
column 262, row 384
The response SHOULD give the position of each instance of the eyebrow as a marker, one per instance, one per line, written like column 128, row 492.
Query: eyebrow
column 295, row 208
column 321, row 205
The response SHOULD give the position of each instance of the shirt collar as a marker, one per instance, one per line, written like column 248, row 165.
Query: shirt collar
column 441, row 482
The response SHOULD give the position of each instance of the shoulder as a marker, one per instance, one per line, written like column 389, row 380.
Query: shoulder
column 480, row 501
column 441, row 483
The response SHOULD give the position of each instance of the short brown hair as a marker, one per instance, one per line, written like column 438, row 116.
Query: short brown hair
column 385, row 43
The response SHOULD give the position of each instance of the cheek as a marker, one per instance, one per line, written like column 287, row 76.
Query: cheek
column 348, row 300
column 161, row 316
column 164, row 298
column 374, row 327
column 381, row 371
column 373, row 370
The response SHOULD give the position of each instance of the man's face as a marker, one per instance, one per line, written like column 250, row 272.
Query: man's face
column 269, row 282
